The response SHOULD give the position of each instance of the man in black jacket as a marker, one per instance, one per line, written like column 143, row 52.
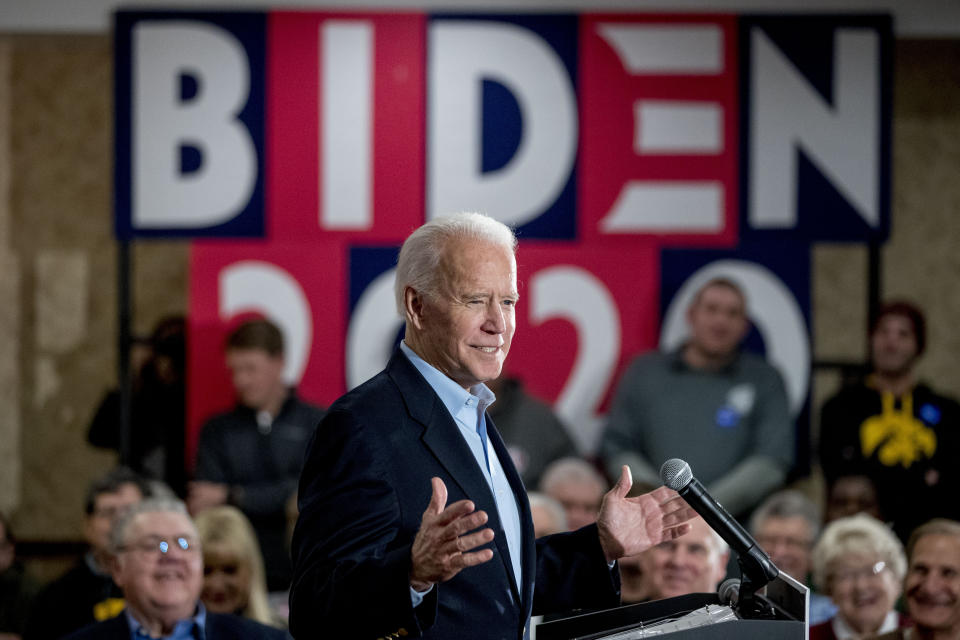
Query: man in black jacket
column 251, row 456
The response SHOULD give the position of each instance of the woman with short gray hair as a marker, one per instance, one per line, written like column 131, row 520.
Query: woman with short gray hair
column 859, row 563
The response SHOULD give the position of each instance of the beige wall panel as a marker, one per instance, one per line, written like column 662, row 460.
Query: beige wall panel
column 159, row 281
column 61, row 285
column 10, row 388
column 922, row 259
column 839, row 301
column 61, row 140
column 10, row 423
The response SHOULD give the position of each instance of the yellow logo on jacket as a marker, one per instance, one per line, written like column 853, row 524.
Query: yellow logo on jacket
column 897, row 437
column 109, row 608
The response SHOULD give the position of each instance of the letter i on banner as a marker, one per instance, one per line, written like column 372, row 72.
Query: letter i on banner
column 345, row 116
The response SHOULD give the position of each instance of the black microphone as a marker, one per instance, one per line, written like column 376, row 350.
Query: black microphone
column 754, row 562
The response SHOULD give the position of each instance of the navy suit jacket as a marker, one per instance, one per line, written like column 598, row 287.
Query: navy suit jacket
column 363, row 491
column 217, row 627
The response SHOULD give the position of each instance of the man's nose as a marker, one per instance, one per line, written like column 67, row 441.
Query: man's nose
column 495, row 322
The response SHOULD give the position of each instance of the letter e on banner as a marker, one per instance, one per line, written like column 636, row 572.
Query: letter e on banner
column 658, row 96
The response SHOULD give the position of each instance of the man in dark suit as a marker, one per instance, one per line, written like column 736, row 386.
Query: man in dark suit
column 368, row 560
column 159, row 566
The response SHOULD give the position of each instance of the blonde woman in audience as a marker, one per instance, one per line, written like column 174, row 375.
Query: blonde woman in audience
column 860, row 564
column 233, row 574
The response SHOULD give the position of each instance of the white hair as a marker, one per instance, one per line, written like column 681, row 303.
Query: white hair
column 418, row 265
column 859, row 534
column 571, row 470
column 118, row 533
column 788, row 503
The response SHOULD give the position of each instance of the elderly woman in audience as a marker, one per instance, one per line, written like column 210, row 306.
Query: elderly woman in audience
column 233, row 573
column 859, row 563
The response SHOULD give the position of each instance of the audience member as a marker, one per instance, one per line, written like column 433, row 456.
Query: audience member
column 251, row 456
column 722, row 410
column 547, row 513
column 848, row 495
column 932, row 585
column 17, row 589
column 696, row 562
column 895, row 430
column 786, row 525
column 87, row 593
column 157, row 407
column 533, row 433
column 578, row 486
column 859, row 563
column 233, row 576
column 159, row 567
column 633, row 588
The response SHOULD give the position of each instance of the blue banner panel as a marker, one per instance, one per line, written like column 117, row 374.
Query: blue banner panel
column 816, row 96
column 189, row 92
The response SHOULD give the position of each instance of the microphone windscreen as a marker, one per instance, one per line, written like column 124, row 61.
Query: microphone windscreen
column 729, row 591
column 675, row 474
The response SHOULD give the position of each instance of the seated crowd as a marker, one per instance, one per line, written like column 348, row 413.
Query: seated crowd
column 167, row 558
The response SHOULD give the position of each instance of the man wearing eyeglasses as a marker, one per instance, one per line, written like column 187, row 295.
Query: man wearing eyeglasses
column 159, row 567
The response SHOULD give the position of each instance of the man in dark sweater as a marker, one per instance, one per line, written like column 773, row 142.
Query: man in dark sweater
column 251, row 456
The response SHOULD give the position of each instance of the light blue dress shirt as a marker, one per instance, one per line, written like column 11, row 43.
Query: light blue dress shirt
column 189, row 629
column 467, row 409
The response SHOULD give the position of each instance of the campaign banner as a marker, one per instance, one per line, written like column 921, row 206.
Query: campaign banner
column 695, row 129
column 631, row 152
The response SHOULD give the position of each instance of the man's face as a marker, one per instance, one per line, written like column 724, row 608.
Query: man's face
column 257, row 376
column 851, row 495
column 106, row 507
column 932, row 584
column 718, row 321
column 466, row 333
column 788, row 541
column 690, row 564
column 164, row 586
column 581, row 502
column 893, row 345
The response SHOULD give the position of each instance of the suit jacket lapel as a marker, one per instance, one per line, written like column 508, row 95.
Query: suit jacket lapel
column 441, row 436
column 528, row 540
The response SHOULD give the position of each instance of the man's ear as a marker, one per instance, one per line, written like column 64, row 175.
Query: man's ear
column 114, row 568
column 413, row 307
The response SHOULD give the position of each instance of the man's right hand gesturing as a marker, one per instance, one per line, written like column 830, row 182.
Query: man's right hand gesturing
column 443, row 545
